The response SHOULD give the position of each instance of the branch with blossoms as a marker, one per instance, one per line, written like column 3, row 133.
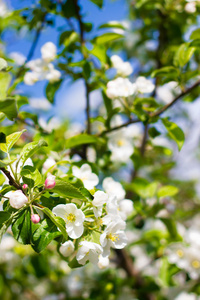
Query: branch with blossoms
column 156, row 113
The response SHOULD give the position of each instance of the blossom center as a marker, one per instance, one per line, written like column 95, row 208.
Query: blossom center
column 120, row 143
column 180, row 253
column 71, row 218
column 113, row 237
column 196, row 264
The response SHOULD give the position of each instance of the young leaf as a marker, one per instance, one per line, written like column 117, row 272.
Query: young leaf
column 11, row 140
column 174, row 132
column 31, row 176
column 21, row 227
column 30, row 149
column 99, row 3
column 44, row 233
column 56, row 220
column 107, row 38
column 5, row 79
column 167, row 191
column 183, row 54
column 80, row 139
column 67, row 190
column 9, row 108
column 51, row 89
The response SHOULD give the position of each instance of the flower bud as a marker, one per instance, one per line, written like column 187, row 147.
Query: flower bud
column 17, row 199
column 50, row 182
column 35, row 218
column 25, row 186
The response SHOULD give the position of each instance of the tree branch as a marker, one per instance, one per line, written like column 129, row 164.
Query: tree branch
column 158, row 112
column 33, row 46
column 164, row 108
column 11, row 180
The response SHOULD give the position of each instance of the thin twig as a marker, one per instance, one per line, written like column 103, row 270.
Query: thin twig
column 158, row 112
column 11, row 179
column 33, row 46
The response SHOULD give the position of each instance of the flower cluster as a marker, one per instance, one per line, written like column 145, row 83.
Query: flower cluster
column 42, row 68
column 186, row 255
column 103, row 218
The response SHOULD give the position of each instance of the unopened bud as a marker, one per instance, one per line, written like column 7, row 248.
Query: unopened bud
column 50, row 182
column 25, row 186
column 17, row 199
column 35, row 218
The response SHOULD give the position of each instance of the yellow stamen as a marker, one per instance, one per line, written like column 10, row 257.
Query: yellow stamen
column 71, row 218
column 120, row 143
column 196, row 264
column 113, row 237
column 180, row 253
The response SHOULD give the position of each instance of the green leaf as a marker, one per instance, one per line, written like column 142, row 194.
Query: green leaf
column 169, row 71
column 143, row 188
column 171, row 226
column 30, row 149
column 51, row 89
column 31, row 176
column 66, row 189
column 112, row 24
column 44, row 233
column 69, row 9
column 5, row 79
column 9, row 108
column 174, row 132
column 183, row 54
column 86, row 70
column 195, row 35
column 100, row 52
column 2, row 138
column 99, row 3
column 2, row 116
column 81, row 139
column 56, row 220
column 21, row 227
column 11, row 140
column 108, row 37
column 167, row 191
column 153, row 132
column 108, row 103
column 4, row 216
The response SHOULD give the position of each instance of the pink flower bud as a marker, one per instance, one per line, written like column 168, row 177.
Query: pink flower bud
column 24, row 186
column 35, row 218
column 50, row 182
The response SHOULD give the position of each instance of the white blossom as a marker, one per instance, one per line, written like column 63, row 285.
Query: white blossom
column 120, row 87
column 186, row 296
column 89, row 179
column 18, row 57
column 3, row 9
column 30, row 78
column 67, row 248
column 49, row 163
column 113, row 188
column 113, row 236
column 100, row 198
column 144, row 85
column 190, row 7
column 88, row 251
column 123, row 68
column 125, row 208
column 73, row 218
column 103, row 262
column 120, row 145
column 48, row 51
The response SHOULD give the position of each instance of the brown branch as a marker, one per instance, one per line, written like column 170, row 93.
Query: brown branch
column 164, row 108
column 11, row 180
column 156, row 113
column 33, row 46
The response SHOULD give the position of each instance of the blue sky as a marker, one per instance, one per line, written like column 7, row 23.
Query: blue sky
column 70, row 100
